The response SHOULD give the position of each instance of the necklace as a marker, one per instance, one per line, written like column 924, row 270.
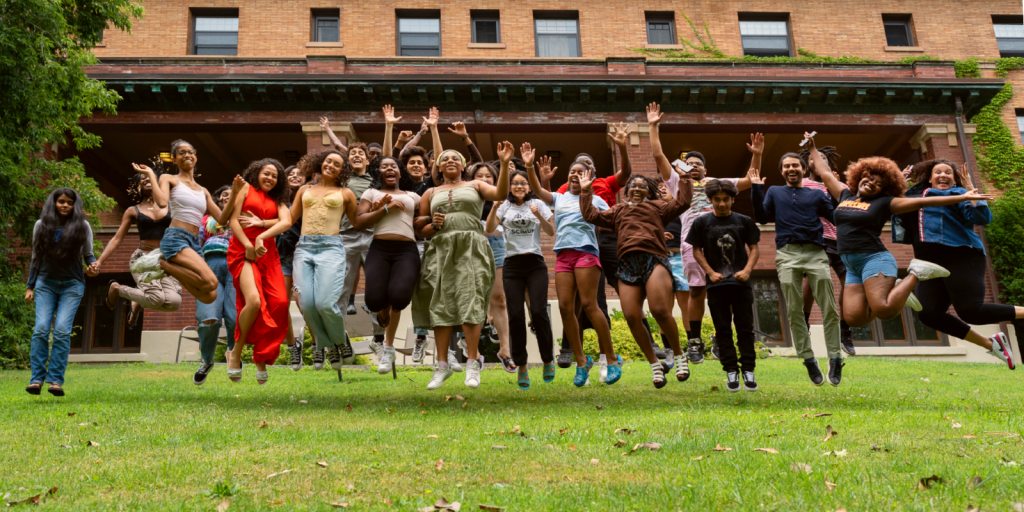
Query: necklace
column 151, row 203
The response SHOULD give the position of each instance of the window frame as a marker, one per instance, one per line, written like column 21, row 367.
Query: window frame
column 767, row 16
column 315, row 15
column 878, row 338
column 417, row 14
column 1019, row 112
column 904, row 20
column 85, row 334
column 787, row 335
column 476, row 15
column 226, row 13
column 661, row 17
column 1001, row 19
column 539, row 15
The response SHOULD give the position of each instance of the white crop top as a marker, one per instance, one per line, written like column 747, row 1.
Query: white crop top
column 187, row 205
column 396, row 221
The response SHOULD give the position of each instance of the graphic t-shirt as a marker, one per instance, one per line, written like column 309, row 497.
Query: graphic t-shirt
column 724, row 241
column 859, row 223
column 571, row 230
column 215, row 237
column 699, row 205
column 522, row 227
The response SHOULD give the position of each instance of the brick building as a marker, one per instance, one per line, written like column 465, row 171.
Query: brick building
column 246, row 80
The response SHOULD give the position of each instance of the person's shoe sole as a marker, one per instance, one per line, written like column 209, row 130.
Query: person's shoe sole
column 1004, row 343
column 55, row 391
column 34, row 390
column 935, row 271
column 848, row 350
column 731, row 390
column 750, row 388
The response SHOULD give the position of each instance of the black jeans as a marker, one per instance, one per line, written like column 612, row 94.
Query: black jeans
column 392, row 266
column 964, row 289
column 522, row 274
column 728, row 305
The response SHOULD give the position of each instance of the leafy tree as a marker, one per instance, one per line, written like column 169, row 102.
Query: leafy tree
column 44, row 90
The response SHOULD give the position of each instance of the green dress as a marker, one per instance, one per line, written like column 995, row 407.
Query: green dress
column 457, row 271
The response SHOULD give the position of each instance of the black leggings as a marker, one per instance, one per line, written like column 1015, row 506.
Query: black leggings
column 522, row 274
column 964, row 289
column 394, row 266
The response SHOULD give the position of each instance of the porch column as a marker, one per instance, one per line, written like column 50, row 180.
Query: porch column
column 639, row 149
column 317, row 140
column 939, row 140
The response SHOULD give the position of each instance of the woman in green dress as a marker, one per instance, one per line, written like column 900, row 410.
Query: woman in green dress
column 457, row 272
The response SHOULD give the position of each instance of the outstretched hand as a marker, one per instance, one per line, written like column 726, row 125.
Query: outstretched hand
column 431, row 120
column 654, row 114
column 505, row 151
column 907, row 170
column 965, row 177
column 755, row 176
column 973, row 195
column 586, row 184
column 528, row 153
column 621, row 135
column 756, row 145
column 459, row 128
column 544, row 168
column 389, row 115
column 238, row 184
column 143, row 169
column 325, row 124
column 248, row 219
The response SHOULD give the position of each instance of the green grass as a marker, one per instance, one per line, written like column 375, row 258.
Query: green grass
column 165, row 444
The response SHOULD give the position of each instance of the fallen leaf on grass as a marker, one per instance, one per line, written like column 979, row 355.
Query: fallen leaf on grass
column 34, row 500
column 926, row 483
column 348, row 407
column 322, row 464
column 774, row 415
column 627, row 431
column 820, row 414
column 65, row 446
column 263, row 425
column 1008, row 463
column 701, row 457
column 439, row 465
column 720, row 448
column 339, row 504
column 800, row 467
column 442, row 504
column 975, row 482
column 273, row 503
column 389, row 411
column 1008, row 434
column 490, row 508
column 267, row 405
column 385, row 501
column 925, row 379
column 572, row 447
column 91, row 443
column 972, row 508
column 619, row 442
column 423, row 413
column 829, row 433
column 72, row 414
column 433, row 436
column 595, row 461
column 766, row 450
column 303, row 401
column 599, row 407
column 876, row 448
column 956, row 425
column 448, row 398
column 650, row 447
column 776, row 422
column 224, row 504
column 714, row 388
column 829, row 486
column 562, row 431
column 272, row 475
column 968, row 436
column 464, row 404
column 840, row 453
column 460, row 398
column 498, row 447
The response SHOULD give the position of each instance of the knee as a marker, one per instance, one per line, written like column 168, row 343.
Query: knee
column 661, row 311
column 173, row 301
column 633, row 317
column 498, row 300
column 252, row 302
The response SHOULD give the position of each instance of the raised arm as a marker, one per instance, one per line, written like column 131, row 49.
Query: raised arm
column 222, row 217
column 602, row 219
column 325, row 125
column 546, row 172
column 654, row 121
column 764, row 208
column 823, row 170
column 389, row 124
column 756, row 147
column 431, row 121
column 114, row 243
column 499, row 191
column 415, row 139
column 684, row 196
column 459, row 128
column 621, row 139
column 542, row 193
column 161, row 187
column 906, row 204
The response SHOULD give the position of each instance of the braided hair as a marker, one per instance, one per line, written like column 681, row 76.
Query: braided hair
column 827, row 152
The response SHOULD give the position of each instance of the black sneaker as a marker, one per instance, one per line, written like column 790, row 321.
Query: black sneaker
column 835, row 371
column 345, row 349
column 200, row 377
column 351, row 305
column 334, row 356
column 732, row 381
column 696, row 352
column 295, row 351
column 749, row 383
column 565, row 357
column 491, row 331
column 814, row 372
column 846, row 343
column 714, row 348
column 318, row 358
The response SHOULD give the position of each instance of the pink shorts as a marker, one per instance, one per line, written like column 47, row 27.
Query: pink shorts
column 571, row 259
column 694, row 274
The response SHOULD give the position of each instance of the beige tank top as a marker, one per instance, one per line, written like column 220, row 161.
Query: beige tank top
column 396, row 221
column 322, row 216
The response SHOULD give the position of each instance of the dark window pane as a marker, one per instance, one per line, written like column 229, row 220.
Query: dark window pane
column 103, row 325
column 922, row 331
column 421, row 52
column 486, row 31
column 897, row 34
column 557, row 46
column 327, row 30
column 660, row 32
column 202, row 50
column 893, row 330
column 768, row 303
column 862, row 333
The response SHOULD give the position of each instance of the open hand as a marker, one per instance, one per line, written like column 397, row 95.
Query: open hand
column 654, row 114
column 431, row 120
column 248, row 220
column 389, row 115
column 238, row 184
column 621, row 135
column 528, row 153
column 756, row 145
column 143, row 169
column 459, row 128
column 379, row 203
column 404, row 137
column 973, row 195
column 544, row 168
column 505, row 151
column 586, row 184
column 755, row 176
column 965, row 177
column 325, row 124
column 396, row 205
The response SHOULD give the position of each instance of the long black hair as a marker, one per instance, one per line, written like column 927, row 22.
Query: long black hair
column 61, row 243
column 529, row 191
column 281, row 193
column 135, row 193
column 405, row 181
column 652, row 186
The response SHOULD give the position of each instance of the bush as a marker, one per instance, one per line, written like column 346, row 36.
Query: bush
column 1004, row 237
column 285, row 358
column 17, row 320
column 626, row 346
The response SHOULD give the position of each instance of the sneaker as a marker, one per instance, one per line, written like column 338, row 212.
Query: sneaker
column 602, row 368
column 658, row 375
column 749, row 383
column 351, row 309
column 682, row 368
column 334, row 357
column 614, row 371
column 462, row 344
column 696, row 353
column 373, row 316
column 846, row 344
column 814, row 372
column 583, row 373
column 715, row 353
column 565, row 358
column 347, row 355
column 295, row 351
column 670, row 357
column 732, row 381
column 912, row 301
column 440, row 375
column 491, row 331
column 1000, row 349
column 925, row 270
column 387, row 359
column 658, row 351
column 376, row 348
column 419, row 349
column 318, row 358
column 453, row 362
column 200, row 377
column 473, row 372
column 835, row 371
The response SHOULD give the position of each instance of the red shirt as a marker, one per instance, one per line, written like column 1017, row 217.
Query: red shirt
column 605, row 188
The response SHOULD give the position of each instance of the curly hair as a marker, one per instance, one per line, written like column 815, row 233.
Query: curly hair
column 281, row 193
column 652, row 186
column 893, row 183
column 921, row 174
column 312, row 165
column 715, row 186
column 405, row 181
column 414, row 151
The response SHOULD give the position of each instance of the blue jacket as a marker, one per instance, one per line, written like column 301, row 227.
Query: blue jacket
column 951, row 225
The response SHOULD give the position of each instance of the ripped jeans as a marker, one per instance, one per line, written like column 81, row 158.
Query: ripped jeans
column 223, row 308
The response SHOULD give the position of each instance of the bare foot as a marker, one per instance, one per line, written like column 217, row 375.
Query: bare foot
column 112, row 295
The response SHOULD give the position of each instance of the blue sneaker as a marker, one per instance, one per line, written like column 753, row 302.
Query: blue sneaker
column 614, row 371
column 583, row 373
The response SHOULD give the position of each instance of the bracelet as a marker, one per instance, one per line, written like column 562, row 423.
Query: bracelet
column 385, row 209
column 264, row 225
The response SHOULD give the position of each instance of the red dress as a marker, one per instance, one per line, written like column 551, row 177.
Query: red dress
column 270, row 326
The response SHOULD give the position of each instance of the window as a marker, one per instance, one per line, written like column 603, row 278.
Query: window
column 904, row 330
column 770, row 316
column 1009, row 35
column 898, row 31
column 1020, row 121
column 557, row 33
column 215, row 32
column 98, row 330
column 419, row 33
column 765, row 35
column 486, row 26
column 326, row 23
column 661, row 28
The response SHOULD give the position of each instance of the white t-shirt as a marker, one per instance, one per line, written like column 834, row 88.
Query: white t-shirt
column 396, row 221
column 699, row 205
column 522, row 227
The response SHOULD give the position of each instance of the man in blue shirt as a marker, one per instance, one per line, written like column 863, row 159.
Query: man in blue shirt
column 800, row 249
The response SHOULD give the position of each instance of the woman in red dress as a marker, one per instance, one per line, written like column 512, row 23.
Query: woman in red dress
column 261, row 298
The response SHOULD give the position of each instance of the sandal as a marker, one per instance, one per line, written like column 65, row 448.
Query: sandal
column 549, row 372
column 134, row 314
column 506, row 362
column 55, row 390
column 35, row 388
column 524, row 381
column 262, row 376
column 106, row 300
column 234, row 374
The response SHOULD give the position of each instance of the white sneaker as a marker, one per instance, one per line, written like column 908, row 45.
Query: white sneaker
column 602, row 365
column 377, row 349
column 453, row 363
column 1001, row 349
column 387, row 359
column 912, row 301
column 439, row 376
column 925, row 270
column 473, row 373
column 419, row 350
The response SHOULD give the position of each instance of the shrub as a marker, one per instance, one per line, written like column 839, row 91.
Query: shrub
column 1004, row 237
column 17, row 319
column 626, row 346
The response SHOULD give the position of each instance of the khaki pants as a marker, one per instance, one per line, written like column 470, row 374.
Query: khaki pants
column 164, row 294
column 792, row 261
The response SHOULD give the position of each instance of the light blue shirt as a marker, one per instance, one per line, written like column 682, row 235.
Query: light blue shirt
column 571, row 231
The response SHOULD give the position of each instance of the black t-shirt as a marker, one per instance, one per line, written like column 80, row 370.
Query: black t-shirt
column 423, row 186
column 724, row 241
column 859, row 223
column 675, row 228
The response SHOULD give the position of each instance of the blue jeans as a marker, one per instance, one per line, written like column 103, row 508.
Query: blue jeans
column 221, row 308
column 318, row 273
column 56, row 305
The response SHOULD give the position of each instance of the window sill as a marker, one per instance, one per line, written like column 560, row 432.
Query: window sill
column 314, row 44
column 663, row 46
column 100, row 45
column 918, row 49
column 486, row 46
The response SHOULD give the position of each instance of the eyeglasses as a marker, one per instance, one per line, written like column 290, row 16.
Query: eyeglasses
column 520, row 184
column 186, row 152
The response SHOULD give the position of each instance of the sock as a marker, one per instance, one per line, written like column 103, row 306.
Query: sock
column 694, row 331
column 844, row 328
column 378, row 338
column 352, row 300
column 603, row 358
column 442, row 365
column 647, row 325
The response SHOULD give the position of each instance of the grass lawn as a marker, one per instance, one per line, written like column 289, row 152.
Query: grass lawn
column 165, row 444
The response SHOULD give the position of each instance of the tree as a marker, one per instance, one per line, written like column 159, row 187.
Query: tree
column 45, row 46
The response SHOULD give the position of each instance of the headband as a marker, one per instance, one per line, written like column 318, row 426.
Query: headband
column 461, row 158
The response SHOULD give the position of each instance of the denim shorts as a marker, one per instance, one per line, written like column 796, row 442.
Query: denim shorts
column 863, row 265
column 286, row 265
column 176, row 239
column 679, row 284
column 498, row 248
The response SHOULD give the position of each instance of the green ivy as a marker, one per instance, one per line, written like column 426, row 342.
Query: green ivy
column 1003, row 235
column 999, row 156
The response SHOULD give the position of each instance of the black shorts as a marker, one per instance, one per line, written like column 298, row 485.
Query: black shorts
column 834, row 261
column 637, row 266
column 608, row 252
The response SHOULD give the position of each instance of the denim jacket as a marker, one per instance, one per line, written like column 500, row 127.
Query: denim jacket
column 951, row 225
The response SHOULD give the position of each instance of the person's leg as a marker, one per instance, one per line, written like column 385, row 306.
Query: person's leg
column 305, row 263
column 791, row 275
column 190, row 269
column 229, row 312
column 855, row 305
column 208, row 325
column 565, row 288
column 631, row 298
column 46, row 299
column 442, row 335
column 659, row 300
column 250, row 309
column 70, row 297
column 808, row 300
column 819, row 278
column 499, row 313
column 720, row 305
column 537, row 292
column 966, row 285
column 514, row 282
column 276, row 301
column 289, row 337
column 327, row 286
column 392, row 328
column 698, row 292
column 587, row 279
column 379, row 261
column 743, row 319
column 353, row 259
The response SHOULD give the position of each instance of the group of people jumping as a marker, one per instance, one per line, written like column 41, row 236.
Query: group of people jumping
column 460, row 241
